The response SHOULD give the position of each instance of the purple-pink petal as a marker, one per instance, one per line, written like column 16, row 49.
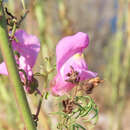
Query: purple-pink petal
column 86, row 75
column 3, row 69
column 22, row 65
column 76, row 61
column 27, row 45
column 60, row 86
column 26, row 67
column 69, row 46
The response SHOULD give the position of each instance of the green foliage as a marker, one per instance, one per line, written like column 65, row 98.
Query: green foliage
column 83, row 107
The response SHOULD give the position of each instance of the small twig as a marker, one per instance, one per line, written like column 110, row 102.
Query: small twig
column 75, row 92
column 22, row 18
column 6, row 10
column 39, row 107
column 13, row 19
column 41, row 99
column 38, row 91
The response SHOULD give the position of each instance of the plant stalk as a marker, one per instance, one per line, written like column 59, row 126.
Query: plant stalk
column 13, row 74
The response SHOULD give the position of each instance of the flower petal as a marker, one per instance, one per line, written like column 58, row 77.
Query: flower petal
column 69, row 46
column 3, row 69
column 60, row 86
column 86, row 74
column 26, row 67
column 77, row 62
column 28, row 46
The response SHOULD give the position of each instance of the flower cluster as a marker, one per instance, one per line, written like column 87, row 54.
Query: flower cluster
column 27, row 48
column 71, row 66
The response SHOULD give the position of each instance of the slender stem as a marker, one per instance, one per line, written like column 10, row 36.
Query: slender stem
column 22, row 18
column 13, row 74
column 75, row 92
column 14, row 29
column 23, row 3
column 41, row 98
column 38, row 91
column 44, row 117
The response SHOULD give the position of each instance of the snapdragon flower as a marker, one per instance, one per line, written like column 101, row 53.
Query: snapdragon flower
column 69, row 55
column 28, row 47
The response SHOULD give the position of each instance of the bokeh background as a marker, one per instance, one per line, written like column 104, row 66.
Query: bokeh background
column 108, row 24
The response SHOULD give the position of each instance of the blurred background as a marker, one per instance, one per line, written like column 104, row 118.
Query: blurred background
column 107, row 23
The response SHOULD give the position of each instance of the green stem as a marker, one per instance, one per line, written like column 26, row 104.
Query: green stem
column 13, row 73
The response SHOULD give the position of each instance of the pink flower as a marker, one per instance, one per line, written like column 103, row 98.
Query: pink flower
column 69, row 54
column 28, row 46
